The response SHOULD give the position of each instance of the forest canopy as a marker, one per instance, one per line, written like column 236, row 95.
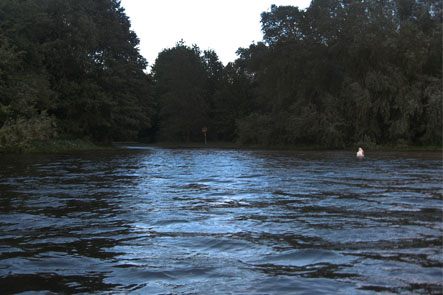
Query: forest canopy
column 336, row 74
column 70, row 68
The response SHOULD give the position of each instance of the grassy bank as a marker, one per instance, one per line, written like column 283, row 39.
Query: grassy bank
column 408, row 148
column 54, row 146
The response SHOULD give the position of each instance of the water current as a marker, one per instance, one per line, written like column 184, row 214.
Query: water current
column 148, row 220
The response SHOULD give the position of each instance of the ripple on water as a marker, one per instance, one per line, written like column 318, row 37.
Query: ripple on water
column 186, row 221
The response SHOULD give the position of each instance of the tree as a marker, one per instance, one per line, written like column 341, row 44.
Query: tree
column 233, row 100
column 78, row 61
column 180, row 79
column 343, row 72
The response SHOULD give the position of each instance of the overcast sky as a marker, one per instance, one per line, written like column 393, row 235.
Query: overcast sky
column 221, row 25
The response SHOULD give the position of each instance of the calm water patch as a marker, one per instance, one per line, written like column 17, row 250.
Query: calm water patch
column 179, row 221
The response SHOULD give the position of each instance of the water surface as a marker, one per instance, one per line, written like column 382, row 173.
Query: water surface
column 202, row 221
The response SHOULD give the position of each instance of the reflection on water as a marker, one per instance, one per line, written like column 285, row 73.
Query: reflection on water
column 215, row 221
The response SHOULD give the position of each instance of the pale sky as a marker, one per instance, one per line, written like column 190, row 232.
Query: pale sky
column 220, row 25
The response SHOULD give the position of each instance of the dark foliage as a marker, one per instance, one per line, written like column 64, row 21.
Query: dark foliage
column 344, row 72
column 337, row 74
column 76, row 62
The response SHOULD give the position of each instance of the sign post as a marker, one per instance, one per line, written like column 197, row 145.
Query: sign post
column 204, row 130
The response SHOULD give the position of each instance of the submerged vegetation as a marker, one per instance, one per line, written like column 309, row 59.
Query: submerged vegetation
column 337, row 74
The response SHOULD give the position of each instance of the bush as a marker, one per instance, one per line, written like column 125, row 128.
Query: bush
column 254, row 129
column 17, row 135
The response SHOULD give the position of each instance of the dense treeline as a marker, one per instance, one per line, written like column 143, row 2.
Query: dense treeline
column 336, row 74
column 70, row 69
column 344, row 72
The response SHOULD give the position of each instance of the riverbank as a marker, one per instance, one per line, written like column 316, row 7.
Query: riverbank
column 69, row 145
column 301, row 147
column 54, row 146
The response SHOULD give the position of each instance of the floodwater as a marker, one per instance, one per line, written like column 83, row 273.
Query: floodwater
column 207, row 221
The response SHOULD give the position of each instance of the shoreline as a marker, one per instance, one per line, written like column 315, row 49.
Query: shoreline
column 55, row 146
column 230, row 145
column 80, row 145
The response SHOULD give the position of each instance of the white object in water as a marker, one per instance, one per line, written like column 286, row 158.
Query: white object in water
column 360, row 153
